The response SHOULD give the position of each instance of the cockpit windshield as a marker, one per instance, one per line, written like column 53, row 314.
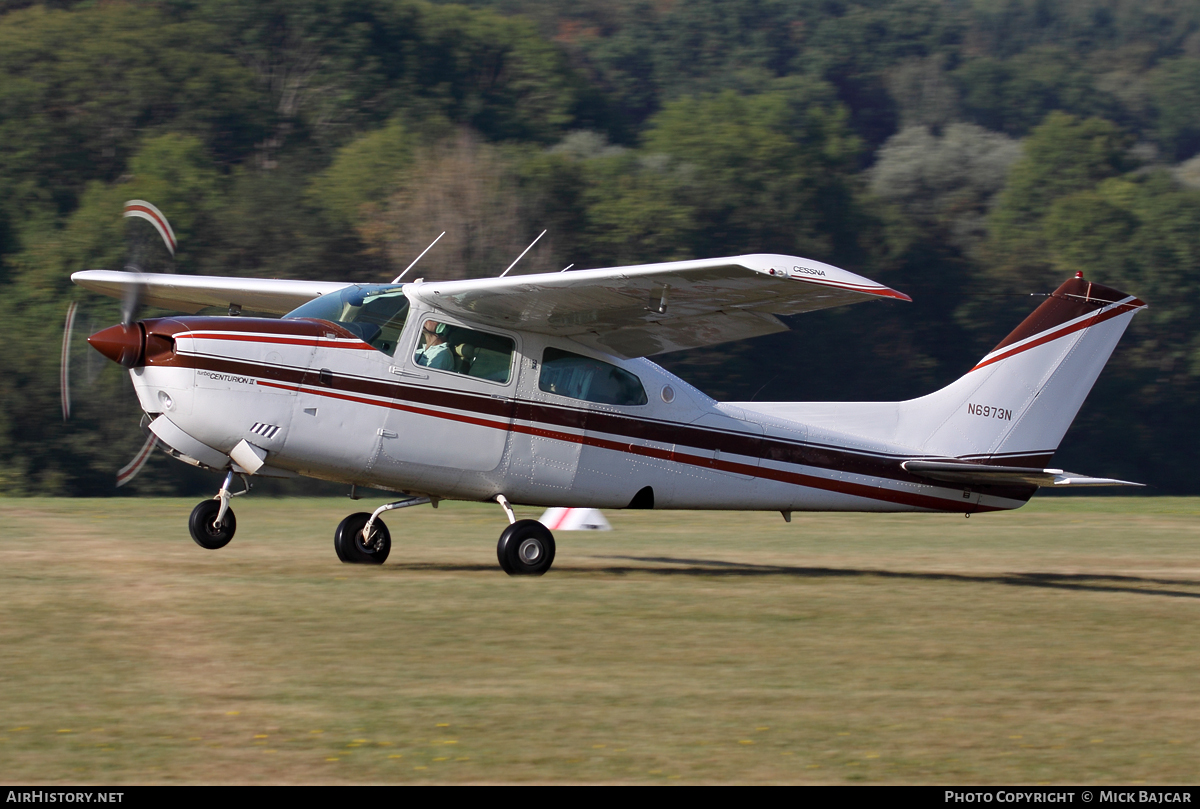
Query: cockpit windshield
column 374, row 312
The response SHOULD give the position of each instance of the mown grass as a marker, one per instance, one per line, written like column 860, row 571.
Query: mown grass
column 1053, row 644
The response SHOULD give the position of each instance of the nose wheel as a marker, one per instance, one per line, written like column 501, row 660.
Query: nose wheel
column 207, row 530
column 212, row 523
column 526, row 548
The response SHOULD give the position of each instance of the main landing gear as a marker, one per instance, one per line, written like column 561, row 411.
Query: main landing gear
column 363, row 539
column 526, row 548
column 212, row 523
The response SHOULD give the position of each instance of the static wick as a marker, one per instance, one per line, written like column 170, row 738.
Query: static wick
column 523, row 252
column 396, row 280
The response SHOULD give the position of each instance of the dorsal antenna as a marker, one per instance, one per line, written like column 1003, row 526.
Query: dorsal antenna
column 564, row 269
column 396, row 280
column 523, row 252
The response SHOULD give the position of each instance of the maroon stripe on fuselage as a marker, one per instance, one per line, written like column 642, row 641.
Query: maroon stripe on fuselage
column 434, row 402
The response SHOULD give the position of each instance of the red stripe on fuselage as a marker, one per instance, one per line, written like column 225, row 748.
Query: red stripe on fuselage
column 796, row 478
column 765, row 448
column 262, row 338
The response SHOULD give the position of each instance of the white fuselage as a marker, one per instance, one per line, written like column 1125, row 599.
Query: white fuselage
column 324, row 404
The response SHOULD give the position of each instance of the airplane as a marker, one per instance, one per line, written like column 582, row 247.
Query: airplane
column 536, row 390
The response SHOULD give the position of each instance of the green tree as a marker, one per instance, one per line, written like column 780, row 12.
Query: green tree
column 1176, row 99
column 1014, row 95
column 79, row 89
column 772, row 171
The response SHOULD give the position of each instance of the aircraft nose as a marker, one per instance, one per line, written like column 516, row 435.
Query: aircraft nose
column 123, row 344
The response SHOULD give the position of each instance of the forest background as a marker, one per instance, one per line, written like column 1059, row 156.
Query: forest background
column 971, row 153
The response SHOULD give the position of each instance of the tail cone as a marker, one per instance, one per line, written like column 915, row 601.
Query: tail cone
column 123, row 344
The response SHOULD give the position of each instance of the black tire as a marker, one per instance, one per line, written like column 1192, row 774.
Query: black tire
column 526, row 548
column 205, row 532
column 350, row 547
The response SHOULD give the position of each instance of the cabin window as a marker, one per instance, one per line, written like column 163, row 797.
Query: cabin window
column 375, row 313
column 579, row 377
column 446, row 347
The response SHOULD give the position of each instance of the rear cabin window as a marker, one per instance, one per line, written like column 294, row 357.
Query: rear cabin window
column 579, row 377
column 464, row 351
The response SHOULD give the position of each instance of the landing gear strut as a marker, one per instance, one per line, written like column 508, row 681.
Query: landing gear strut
column 526, row 548
column 212, row 523
column 363, row 539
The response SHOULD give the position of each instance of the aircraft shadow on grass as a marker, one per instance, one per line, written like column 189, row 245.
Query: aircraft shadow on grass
column 714, row 568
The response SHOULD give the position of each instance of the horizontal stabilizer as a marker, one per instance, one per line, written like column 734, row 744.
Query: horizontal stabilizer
column 980, row 475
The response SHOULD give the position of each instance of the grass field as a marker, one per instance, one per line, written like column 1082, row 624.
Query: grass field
column 1059, row 643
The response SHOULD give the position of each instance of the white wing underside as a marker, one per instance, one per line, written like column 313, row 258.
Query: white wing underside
column 650, row 309
column 631, row 311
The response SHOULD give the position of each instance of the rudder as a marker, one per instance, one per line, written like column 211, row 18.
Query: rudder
column 1015, row 405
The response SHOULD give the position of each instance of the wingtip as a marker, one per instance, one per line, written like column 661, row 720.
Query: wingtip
column 888, row 292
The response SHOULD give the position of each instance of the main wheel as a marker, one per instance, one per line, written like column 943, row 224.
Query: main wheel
column 204, row 529
column 352, row 548
column 526, row 548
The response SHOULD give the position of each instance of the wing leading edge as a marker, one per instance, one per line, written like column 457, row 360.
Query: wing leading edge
column 633, row 311
column 191, row 293
column 650, row 309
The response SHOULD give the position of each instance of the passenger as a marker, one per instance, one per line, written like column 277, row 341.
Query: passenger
column 436, row 353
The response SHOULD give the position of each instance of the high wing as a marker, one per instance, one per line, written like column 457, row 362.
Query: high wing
column 631, row 311
column 649, row 309
column 191, row 293
column 983, row 475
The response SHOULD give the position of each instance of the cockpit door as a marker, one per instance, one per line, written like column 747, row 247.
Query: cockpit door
column 457, row 416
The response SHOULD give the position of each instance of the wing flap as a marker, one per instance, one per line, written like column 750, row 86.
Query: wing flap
column 191, row 293
column 653, row 308
column 981, row 475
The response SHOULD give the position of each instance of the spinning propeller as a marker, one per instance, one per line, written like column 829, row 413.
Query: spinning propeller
column 143, row 253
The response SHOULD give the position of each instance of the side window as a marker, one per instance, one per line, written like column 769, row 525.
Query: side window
column 464, row 351
column 580, row 377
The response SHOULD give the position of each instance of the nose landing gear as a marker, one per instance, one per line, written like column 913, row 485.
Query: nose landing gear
column 207, row 530
column 212, row 523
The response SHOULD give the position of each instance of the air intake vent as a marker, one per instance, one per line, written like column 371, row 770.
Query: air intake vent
column 265, row 430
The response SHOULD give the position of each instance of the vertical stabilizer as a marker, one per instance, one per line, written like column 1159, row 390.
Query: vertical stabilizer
column 1016, row 404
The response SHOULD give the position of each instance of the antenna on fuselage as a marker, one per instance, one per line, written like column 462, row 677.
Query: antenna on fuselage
column 396, row 280
column 564, row 269
column 523, row 252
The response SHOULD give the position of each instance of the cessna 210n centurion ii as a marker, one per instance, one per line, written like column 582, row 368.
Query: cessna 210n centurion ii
column 536, row 390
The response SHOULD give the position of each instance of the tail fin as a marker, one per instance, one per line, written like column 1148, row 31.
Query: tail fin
column 1016, row 404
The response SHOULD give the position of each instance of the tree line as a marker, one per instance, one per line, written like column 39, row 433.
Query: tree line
column 970, row 155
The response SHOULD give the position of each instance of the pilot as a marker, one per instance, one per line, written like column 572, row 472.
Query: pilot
column 436, row 353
